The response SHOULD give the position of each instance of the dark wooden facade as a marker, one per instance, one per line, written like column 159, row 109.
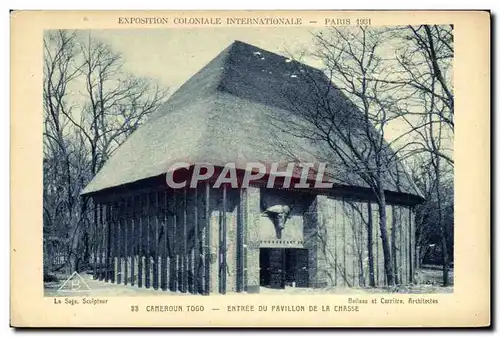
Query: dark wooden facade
column 171, row 239
column 210, row 240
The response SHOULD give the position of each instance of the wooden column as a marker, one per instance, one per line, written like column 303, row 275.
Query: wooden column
column 253, row 220
column 184, row 243
column 405, row 244
column 223, row 245
column 147, row 253
column 140, row 253
column 245, row 239
column 394, row 245
column 240, row 259
column 113, row 233
column 95, row 239
column 189, row 247
column 165, row 263
column 102, row 246
column 157, row 242
column 119, row 242
column 335, row 247
column 174, row 259
column 214, row 245
column 378, row 267
column 126, row 220
column 401, row 255
column 197, row 277
column 411, row 226
column 179, row 210
column 193, row 287
column 206, row 250
column 110, row 269
column 108, row 242
column 133, row 240
column 344, row 259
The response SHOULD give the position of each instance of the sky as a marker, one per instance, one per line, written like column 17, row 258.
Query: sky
column 173, row 55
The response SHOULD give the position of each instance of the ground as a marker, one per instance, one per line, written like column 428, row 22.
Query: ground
column 429, row 279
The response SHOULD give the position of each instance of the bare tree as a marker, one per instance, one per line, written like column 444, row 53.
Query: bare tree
column 60, row 188
column 424, row 57
column 426, row 70
column 434, row 218
column 353, row 128
column 90, row 106
column 413, row 88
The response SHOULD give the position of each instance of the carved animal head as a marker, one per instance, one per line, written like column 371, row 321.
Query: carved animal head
column 278, row 215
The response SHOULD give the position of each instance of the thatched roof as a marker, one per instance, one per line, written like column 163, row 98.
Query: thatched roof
column 238, row 108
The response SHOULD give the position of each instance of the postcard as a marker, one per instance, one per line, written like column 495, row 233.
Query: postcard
column 250, row 169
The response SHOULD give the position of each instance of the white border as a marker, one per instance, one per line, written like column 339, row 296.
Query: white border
column 185, row 4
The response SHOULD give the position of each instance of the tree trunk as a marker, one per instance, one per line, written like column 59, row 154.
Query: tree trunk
column 370, row 246
column 444, row 246
column 86, row 248
column 393, row 246
column 388, row 266
column 446, row 281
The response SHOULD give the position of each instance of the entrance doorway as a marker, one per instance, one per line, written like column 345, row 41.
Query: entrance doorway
column 280, row 267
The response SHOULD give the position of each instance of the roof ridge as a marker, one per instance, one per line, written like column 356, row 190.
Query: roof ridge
column 178, row 94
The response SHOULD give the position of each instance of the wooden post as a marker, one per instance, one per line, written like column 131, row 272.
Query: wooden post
column 190, row 270
column 197, row 251
column 178, row 239
column 379, row 268
column 207, row 242
column 411, row 247
column 405, row 244
column 244, row 228
column 240, row 244
column 165, row 263
column 102, row 246
column 119, row 243
column 223, row 234
column 415, row 248
column 113, row 232
column 157, row 242
column 335, row 246
column 147, row 253
column 174, row 260
column 107, row 220
column 116, row 243
column 140, row 248
column 184, row 243
column 189, row 248
column 133, row 239
column 95, row 239
column 108, row 242
column 344, row 262
column 253, row 248
column 126, row 215
column 110, row 269
column 394, row 246
column 401, row 254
